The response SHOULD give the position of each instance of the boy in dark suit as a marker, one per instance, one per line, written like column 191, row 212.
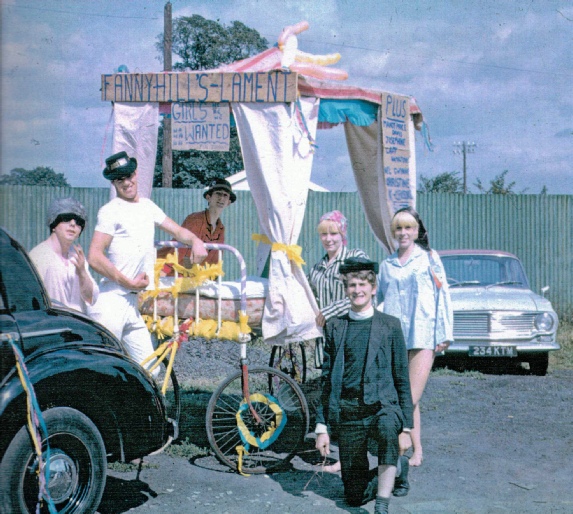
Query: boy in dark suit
column 365, row 391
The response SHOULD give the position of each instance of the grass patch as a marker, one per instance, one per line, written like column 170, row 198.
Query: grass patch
column 126, row 467
column 446, row 372
column 186, row 450
column 563, row 359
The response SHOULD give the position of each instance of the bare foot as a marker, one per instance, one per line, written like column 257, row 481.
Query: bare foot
column 332, row 468
column 416, row 459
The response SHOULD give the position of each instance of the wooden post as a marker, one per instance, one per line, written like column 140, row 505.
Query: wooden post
column 167, row 163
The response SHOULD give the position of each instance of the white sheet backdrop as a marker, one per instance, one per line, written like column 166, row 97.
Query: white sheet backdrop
column 135, row 131
column 278, row 160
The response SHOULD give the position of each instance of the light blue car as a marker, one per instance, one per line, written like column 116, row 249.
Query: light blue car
column 496, row 314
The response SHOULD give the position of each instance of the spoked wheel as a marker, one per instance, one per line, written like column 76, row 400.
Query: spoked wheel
column 262, row 436
column 290, row 359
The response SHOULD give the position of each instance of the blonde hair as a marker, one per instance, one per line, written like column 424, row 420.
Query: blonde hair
column 405, row 219
column 326, row 226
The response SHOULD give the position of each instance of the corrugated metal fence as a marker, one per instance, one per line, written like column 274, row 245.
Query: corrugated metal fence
column 537, row 228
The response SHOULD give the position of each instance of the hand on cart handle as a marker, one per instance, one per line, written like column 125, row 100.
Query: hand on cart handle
column 198, row 251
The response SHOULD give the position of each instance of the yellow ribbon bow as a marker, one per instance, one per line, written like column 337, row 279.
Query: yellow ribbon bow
column 293, row 252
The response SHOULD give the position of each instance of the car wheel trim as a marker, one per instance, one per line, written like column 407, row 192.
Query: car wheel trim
column 78, row 462
column 70, row 478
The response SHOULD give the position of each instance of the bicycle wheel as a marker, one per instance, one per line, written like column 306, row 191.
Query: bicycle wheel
column 291, row 360
column 251, row 445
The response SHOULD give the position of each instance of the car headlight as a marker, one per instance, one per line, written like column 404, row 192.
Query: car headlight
column 544, row 322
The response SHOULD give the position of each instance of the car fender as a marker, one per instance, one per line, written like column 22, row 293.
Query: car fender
column 111, row 389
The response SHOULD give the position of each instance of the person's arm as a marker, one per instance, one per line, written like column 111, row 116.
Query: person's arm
column 198, row 251
column 88, row 288
column 101, row 264
column 322, row 411
column 401, row 374
column 445, row 315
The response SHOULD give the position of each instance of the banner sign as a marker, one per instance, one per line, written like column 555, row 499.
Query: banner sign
column 395, row 141
column 272, row 86
column 200, row 126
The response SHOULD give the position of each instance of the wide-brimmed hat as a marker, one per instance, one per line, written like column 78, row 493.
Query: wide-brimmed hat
column 119, row 165
column 220, row 184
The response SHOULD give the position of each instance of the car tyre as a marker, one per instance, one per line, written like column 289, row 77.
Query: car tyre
column 77, row 466
column 538, row 365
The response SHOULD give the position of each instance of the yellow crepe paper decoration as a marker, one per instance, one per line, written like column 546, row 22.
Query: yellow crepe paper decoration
column 293, row 252
column 165, row 328
column 243, row 323
column 206, row 328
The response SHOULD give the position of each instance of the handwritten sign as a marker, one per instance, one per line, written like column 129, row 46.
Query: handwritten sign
column 395, row 118
column 273, row 86
column 200, row 126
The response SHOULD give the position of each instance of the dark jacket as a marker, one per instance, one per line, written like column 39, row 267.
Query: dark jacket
column 385, row 376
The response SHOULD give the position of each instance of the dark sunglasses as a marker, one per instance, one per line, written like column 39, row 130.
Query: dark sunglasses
column 65, row 218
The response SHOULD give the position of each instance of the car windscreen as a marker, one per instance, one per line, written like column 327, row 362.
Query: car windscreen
column 484, row 270
column 19, row 287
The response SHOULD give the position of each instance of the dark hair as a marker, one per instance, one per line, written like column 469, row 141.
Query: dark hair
column 423, row 239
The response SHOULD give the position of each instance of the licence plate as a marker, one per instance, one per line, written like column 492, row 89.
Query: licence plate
column 492, row 351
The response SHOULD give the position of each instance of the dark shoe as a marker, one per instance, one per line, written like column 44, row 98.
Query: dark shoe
column 401, row 484
column 381, row 506
column 371, row 488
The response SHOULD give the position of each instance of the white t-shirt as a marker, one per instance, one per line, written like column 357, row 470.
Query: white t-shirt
column 132, row 226
column 60, row 278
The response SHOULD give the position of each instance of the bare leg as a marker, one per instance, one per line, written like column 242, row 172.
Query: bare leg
column 420, row 365
column 332, row 468
column 386, row 477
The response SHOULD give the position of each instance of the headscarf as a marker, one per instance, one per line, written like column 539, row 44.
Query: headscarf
column 423, row 239
column 341, row 222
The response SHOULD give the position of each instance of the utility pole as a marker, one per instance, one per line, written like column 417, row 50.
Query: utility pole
column 167, row 162
column 464, row 148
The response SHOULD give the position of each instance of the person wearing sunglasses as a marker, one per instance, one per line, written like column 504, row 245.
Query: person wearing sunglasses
column 61, row 262
column 122, row 251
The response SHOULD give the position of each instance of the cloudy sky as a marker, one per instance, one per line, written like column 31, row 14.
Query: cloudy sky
column 495, row 73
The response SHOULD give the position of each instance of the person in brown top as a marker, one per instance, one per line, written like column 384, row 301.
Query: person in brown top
column 207, row 224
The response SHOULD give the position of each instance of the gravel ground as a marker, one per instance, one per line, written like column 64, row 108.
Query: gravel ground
column 493, row 443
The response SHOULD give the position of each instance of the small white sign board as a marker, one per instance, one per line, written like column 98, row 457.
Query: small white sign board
column 200, row 126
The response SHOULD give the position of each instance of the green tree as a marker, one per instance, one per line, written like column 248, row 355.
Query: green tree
column 39, row 176
column 498, row 186
column 203, row 44
column 447, row 182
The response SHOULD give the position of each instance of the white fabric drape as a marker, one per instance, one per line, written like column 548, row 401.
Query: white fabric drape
column 366, row 155
column 135, row 130
column 278, row 160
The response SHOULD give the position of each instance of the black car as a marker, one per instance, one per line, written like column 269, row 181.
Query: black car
column 97, row 405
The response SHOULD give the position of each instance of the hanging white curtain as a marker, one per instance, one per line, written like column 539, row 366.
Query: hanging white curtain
column 277, row 153
column 135, row 129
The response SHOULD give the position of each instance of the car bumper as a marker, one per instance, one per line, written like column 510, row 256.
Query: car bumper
column 462, row 348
